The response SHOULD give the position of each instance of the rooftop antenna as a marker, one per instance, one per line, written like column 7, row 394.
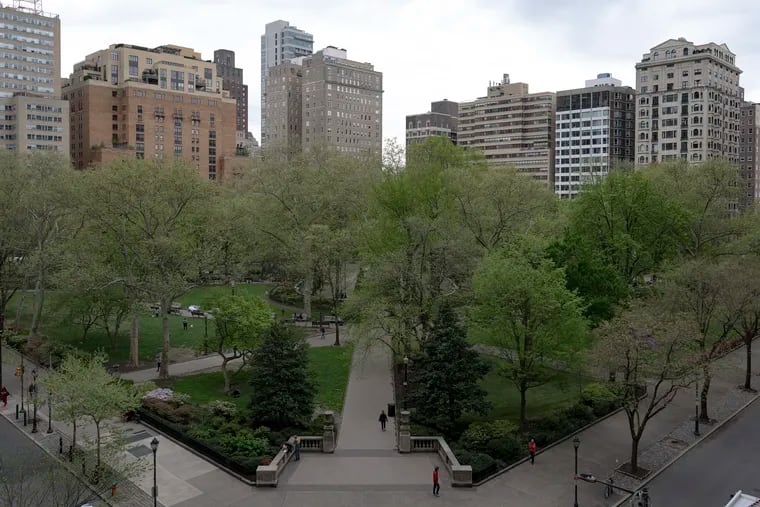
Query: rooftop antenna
column 34, row 6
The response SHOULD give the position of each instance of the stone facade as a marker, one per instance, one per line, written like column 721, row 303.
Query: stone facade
column 749, row 149
column 441, row 120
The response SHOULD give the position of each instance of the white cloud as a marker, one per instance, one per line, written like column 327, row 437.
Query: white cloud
column 428, row 49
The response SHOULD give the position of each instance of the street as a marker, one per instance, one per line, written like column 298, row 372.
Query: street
column 28, row 476
column 709, row 474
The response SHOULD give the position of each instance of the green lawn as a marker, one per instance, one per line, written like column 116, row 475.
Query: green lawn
column 56, row 326
column 562, row 391
column 330, row 366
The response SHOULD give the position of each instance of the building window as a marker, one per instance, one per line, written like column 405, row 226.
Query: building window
column 133, row 63
column 114, row 74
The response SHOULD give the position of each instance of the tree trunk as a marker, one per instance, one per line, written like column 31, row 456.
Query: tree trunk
column 225, row 374
column 134, row 339
column 164, row 370
column 703, row 415
column 523, row 404
column 748, row 373
column 39, row 299
column 97, row 444
column 308, row 283
column 337, row 333
column 20, row 309
column 635, row 454
column 74, row 434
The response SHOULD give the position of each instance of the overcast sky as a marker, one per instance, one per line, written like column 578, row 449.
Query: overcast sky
column 428, row 50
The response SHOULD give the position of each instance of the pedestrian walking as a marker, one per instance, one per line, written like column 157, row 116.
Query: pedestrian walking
column 436, row 484
column 532, row 450
column 158, row 362
column 184, row 324
column 383, row 419
column 4, row 396
column 297, row 447
column 322, row 331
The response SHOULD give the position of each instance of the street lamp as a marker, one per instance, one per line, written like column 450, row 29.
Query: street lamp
column 406, row 377
column 154, row 447
column 576, row 444
column 33, row 392
column 696, row 409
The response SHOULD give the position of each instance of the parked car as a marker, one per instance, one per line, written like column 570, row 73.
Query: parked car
column 196, row 311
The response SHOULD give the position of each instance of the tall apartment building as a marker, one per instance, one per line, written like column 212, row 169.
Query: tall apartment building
column 511, row 127
column 232, row 81
column 689, row 102
column 342, row 103
column 150, row 103
column 283, row 87
column 749, row 152
column 33, row 116
column 595, row 130
column 441, row 120
column 280, row 44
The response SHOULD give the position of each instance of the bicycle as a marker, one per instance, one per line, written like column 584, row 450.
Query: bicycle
column 609, row 488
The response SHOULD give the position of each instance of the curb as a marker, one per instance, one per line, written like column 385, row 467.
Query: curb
column 55, row 458
column 678, row 456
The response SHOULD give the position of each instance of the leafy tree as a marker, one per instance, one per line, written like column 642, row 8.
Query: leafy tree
column 745, row 294
column 523, row 307
column 704, row 291
column 67, row 387
column 241, row 323
column 447, row 375
column 625, row 223
column 646, row 345
column 283, row 391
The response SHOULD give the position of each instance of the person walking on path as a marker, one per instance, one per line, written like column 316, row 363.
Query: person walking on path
column 184, row 324
column 532, row 450
column 297, row 448
column 4, row 396
column 322, row 331
column 436, row 484
column 158, row 362
column 383, row 419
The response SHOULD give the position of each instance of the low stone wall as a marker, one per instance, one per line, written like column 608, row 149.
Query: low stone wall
column 461, row 475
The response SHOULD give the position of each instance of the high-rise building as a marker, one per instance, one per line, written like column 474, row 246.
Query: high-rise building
column 688, row 102
column 282, row 115
column 151, row 103
column 34, row 116
column 595, row 129
column 342, row 103
column 511, row 127
column 280, row 44
column 232, row 80
column 441, row 120
column 749, row 153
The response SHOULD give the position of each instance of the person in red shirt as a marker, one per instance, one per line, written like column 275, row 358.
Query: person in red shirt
column 4, row 396
column 436, row 484
column 532, row 450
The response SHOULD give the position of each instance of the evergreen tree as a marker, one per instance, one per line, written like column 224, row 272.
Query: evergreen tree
column 283, row 390
column 447, row 375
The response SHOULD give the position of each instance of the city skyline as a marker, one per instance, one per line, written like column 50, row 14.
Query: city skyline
column 427, row 50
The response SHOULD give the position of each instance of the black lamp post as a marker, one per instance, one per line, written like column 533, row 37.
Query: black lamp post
column 406, row 377
column 576, row 444
column 154, row 447
column 33, row 391
column 21, row 379
column 696, row 410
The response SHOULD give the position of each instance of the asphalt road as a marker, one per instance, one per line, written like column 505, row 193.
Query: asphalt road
column 707, row 476
column 28, row 476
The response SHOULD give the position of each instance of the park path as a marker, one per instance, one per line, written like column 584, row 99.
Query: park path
column 211, row 362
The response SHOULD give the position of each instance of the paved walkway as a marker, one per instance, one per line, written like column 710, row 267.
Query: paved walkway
column 365, row 470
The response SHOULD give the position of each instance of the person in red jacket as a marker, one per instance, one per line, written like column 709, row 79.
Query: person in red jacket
column 532, row 450
column 436, row 484
column 4, row 396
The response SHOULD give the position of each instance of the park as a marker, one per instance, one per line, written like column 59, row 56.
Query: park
column 257, row 328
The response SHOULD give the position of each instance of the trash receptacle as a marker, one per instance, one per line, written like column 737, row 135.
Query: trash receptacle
column 391, row 410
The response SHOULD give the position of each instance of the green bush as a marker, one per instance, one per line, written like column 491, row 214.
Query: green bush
column 509, row 448
column 558, row 425
column 222, row 408
column 477, row 436
column 482, row 464
column 17, row 341
column 244, row 444
column 601, row 398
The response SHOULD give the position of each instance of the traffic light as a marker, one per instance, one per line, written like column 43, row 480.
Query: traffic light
column 640, row 498
column 19, row 371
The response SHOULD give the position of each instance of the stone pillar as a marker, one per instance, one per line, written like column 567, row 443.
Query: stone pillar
column 404, row 432
column 328, row 433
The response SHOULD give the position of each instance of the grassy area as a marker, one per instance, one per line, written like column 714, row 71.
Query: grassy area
column 330, row 366
column 562, row 391
column 57, row 327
